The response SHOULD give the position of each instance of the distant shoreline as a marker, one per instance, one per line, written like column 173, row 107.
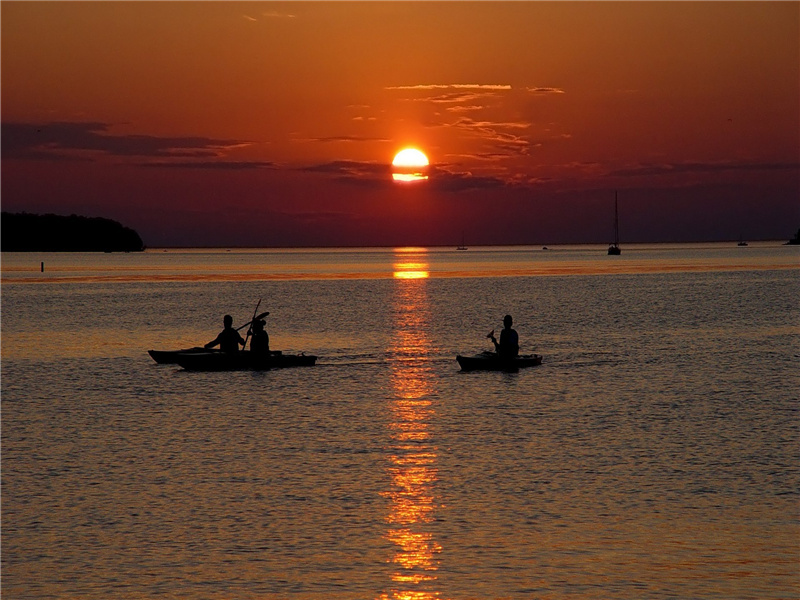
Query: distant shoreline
column 445, row 247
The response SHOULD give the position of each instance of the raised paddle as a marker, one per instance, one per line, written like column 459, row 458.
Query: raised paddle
column 261, row 316
column 247, row 337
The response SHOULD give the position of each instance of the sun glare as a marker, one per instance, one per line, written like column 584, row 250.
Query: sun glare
column 410, row 164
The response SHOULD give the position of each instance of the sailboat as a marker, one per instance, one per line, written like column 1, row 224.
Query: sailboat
column 462, row 246
column 613, row 249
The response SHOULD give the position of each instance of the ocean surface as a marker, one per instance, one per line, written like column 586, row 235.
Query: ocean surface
column 654, row 453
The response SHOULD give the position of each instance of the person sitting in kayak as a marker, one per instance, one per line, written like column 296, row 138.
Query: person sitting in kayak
column 228, row 339
column 260, row 342
column 508, row 346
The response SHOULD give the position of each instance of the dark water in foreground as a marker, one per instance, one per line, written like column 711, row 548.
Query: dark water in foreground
column 654, row 453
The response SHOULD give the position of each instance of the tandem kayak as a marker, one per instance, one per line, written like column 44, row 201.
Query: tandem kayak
column 241, row 361
column 168, row 357
column 490, row 361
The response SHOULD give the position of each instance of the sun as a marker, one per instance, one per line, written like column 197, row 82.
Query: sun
column 410, row 157
column 410, row 164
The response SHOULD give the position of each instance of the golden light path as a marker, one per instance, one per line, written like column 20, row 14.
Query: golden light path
column 412, row 465
column 410, row 263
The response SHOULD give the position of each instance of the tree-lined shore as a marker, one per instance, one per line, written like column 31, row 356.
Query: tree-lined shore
column 26, row 232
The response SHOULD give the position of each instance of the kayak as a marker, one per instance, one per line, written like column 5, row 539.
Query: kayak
column 490, row 361
column 240, row 361
column 168, row 357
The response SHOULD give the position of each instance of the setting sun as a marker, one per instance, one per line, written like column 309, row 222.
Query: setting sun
column 410, row 164
column 410, row 157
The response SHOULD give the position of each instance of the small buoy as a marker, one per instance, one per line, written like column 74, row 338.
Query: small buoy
column 42, row 266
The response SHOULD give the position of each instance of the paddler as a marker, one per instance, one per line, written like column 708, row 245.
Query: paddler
column 228, row 339
column 260, row 342
column 508, row 346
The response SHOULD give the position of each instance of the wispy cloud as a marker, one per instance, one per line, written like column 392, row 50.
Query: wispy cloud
column 343, row 138
column 454, row 98
column 274, row 14
column 545, row 90
column 482, row 156
column 65, row 140
column 497, row 133
column 454, row 86
column 468, row 108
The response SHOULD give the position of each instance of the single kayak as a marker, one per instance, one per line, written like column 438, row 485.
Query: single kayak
column 240, row 361
column 490, row 361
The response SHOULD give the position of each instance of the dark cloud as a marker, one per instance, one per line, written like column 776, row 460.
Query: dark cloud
column 700, row 167
column 446, row 181
column 350, row 168
column 60, row 140
column 205, row 164
column 485, row 156
column 378, row 176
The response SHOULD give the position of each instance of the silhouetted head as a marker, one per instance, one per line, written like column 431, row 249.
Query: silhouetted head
column 507, row 321
column 227, row 321
column 258, row 324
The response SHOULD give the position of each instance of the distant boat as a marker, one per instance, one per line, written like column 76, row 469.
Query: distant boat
column 613, row 249
column 462, row 246
column 741, row 242
column 795, row 241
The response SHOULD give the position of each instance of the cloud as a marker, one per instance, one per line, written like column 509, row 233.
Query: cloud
column 350, row 168
column 483, row 156
column 455, row 86
column 273, row 14
column 699, row 167
column 468, row 108
column 221, row 164
column 545, row 90
column 447, row 181
column 492, row 124
column 492, row 132
column 249, row 18
column 378, row 175
column 344, row 138
column 454, row 98
column 84, row 140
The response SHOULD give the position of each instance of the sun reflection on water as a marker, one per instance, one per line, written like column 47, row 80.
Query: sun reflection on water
column 412, row 466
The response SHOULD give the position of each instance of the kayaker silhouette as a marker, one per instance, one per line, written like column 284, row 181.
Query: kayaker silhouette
column 228, row 339
column 508, row 346
column 260, row 342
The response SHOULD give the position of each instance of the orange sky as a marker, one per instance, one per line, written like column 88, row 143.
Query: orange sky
column 223, row 123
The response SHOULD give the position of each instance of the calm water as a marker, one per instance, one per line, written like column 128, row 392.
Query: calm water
column 654, row 453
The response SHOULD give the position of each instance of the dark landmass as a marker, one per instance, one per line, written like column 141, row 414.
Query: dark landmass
column 25, row 232
column 795, row 241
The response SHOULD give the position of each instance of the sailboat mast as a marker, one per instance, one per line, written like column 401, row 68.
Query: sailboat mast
column 616, row 221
